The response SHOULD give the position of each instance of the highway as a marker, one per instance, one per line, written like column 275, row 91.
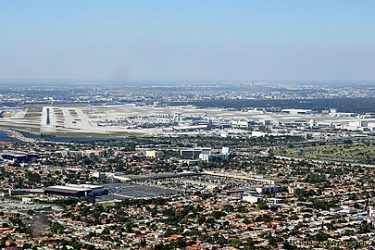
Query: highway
column 17, row 135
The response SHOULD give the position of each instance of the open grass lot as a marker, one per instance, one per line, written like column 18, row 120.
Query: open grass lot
column 362, row 152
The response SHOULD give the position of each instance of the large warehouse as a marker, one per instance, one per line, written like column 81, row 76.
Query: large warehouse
column 76, row 190
column 19, row 156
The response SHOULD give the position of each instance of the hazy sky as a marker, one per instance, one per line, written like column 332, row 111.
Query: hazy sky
column 187, row 40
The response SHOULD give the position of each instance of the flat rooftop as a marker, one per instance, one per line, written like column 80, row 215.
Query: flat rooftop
column 67, row 189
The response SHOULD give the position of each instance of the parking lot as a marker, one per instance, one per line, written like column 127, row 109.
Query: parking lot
column 123, row 191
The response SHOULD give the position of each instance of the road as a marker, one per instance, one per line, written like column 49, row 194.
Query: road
column 17, row 135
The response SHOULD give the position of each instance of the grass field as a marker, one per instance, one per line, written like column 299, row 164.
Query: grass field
column 363, row 152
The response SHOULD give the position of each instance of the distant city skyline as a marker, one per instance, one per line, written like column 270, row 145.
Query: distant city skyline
column 187, row 40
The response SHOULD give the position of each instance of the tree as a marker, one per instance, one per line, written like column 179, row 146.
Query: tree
column 234, row 242
column 249, row 245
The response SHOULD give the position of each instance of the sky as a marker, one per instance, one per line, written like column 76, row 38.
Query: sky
column 182, row 41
